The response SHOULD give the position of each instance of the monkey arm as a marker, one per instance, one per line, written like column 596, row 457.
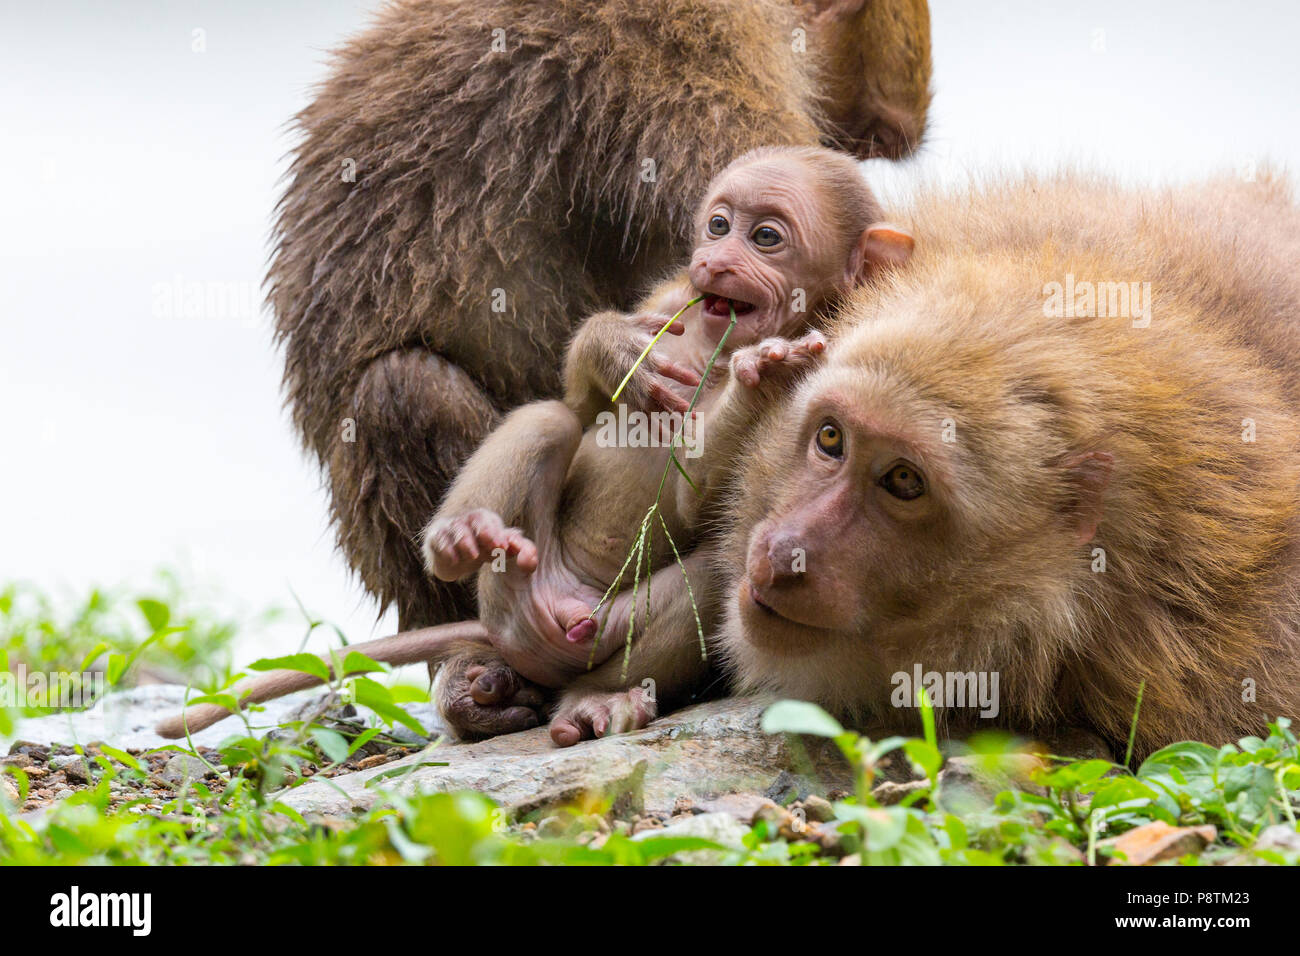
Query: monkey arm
column 597, row 359
column 758, row 378
column 721, row 438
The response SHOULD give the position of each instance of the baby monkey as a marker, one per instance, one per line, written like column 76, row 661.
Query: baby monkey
column 546, row 511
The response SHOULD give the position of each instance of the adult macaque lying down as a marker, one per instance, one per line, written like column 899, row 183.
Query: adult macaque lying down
column 1062, row 449
column 546, row 511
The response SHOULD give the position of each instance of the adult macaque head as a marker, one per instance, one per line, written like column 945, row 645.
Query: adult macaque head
column 874, row 80
column 782, row 233
column 978, row 481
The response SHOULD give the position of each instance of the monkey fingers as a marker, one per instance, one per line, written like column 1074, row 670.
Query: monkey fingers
column 598, row 714
column 676, row 372
column 757, row 363
column 459, row 546
column 662, row 398
column 481, row 696
column 653, row 322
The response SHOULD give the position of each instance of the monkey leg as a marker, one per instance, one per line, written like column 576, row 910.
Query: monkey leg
column 665, row 665
column 519, row 469
column 412, row 420
column 514, row 479
column 517, row 474
column 479, row 695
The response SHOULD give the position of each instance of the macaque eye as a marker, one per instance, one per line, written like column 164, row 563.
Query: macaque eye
column 830, row 440
column 718, row 226
column 903, row 481
column 766, row 236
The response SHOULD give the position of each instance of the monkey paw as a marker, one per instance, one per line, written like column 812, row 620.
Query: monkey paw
column 651, row 387
column 481, row 697
column 776, row 359
column 584, row 715
column 459, row 546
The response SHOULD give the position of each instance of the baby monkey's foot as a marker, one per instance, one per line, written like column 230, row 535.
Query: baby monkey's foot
column 456, row 547
column 584, row 715
column 776, row 360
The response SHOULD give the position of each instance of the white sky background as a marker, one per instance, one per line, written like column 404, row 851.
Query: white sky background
column 133, row 440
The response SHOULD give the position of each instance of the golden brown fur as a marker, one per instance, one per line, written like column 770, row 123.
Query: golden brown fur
column 521, row 171
column 1199, row 527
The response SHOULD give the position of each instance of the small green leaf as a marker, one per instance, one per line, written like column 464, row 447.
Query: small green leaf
column 95, row 653
column 799, row 717
column 122, row 757
column 926, row 756
column 155, row 612
column 363, row 738
column 401, row 771
column 116, row 667
column 303, row 663
column 358, row 663
column 332, row 744
column 379, row 699
column 285, row 810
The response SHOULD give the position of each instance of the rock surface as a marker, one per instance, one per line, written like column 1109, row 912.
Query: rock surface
column 721, row 828
column 701, row 751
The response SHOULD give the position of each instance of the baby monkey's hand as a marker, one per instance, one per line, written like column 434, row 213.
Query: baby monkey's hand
column 649, row 389
column 776, row 360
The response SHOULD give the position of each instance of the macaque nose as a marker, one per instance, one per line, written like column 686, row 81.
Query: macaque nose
column 786, row 559
column 719, row 262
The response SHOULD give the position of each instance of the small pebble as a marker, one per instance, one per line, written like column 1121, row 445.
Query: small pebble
column 73, row 767
column 818, row 808
column 183, row 767
column 555, row 826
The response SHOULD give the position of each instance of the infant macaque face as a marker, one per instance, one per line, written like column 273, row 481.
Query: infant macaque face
column 767, row 248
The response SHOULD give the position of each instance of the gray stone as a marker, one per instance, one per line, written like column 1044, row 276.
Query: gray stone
column 722, row 828
column 9, row 789
column 743, row 806
column 818, row 808
column 970, row 782
column 1280, row 836
column 73, row 767
column 183, row 767
column 698, row 752
column 889, row 793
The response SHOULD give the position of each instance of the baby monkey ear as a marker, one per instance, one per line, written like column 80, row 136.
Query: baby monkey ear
column 881, row 246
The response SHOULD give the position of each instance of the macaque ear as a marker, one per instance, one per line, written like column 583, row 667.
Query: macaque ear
column 1091, row 472
column 881, row 246
column 831, row 11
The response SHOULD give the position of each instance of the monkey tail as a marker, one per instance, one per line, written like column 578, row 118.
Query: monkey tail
column 428, row 644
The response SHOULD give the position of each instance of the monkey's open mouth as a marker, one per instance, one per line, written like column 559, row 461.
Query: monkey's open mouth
column 721, row 306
